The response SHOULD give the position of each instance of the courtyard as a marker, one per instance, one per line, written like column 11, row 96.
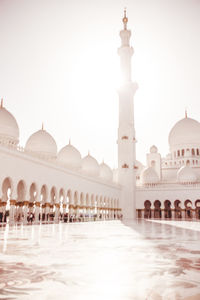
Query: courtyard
column 146, row 259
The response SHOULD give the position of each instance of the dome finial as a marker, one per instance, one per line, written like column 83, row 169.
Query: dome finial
column 125, row 19
column 42, row 126
column 69, row 141
column 88, row 152
column 186, row 113
column 1, row 102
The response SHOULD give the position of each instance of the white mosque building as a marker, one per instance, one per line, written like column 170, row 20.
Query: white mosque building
column 41, row 180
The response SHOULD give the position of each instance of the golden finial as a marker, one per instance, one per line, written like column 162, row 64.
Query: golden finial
column 42, row 126
column 1, row 102
column 186, row 113
column 125, row 19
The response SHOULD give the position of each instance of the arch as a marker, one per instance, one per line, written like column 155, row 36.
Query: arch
column 76, row 199
column 92, row 200
column 197, row 208
column 157, row 209
column 82, row 199
column 53, row 195
column 178, row 211
column 153, row 163
column 69, row 197
column 188, row 203
column 193, row 152
column 61, row 195
column 33, row 191
column 87, row 200
column 21, row 191
column 61, row 200
column 43, row 194
column 147, row 209
column 188, row 162
column 115, row 203
column 7, row 188
column 167, row 209
column 188, row 209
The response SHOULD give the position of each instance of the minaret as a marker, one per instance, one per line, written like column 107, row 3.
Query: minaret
column 126, row 130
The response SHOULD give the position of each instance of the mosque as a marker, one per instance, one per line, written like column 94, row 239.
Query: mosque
column 43, row 181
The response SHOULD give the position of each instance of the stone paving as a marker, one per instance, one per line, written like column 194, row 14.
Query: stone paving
column 145, row 260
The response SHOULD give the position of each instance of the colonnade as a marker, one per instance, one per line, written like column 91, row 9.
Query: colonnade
column 170, row 209
column 51, row 204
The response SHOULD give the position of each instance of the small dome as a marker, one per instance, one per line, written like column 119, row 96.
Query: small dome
column 186, row 175
column 185, row 132
column 42, row 143
column 90, row 166
column 70, row 157
column 149, row 176
column 9, row 130
column 153, row 149
column 105, row 172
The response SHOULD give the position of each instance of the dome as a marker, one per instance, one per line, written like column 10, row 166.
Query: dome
column 90, row 166
column 70, row 157
column 105, row 172
column 185, row 132
column 186, row 175
column 153, row 149
column 42, row 143
column 9, row 130
column 149, row 176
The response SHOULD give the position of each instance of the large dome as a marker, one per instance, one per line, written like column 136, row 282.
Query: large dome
column 90, row 166
column 9, row 130
column 186, row 175
column 42, row 143
column 70, row 157
column 186, row 132
column 105, row 172
column 149, row 176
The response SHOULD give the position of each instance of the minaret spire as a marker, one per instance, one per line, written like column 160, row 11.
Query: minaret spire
column 125, row 19
column 126, row 130
column 1, row 102
column 186, row 113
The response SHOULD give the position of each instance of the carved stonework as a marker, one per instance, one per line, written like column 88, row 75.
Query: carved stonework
column 12, row 202
column 125, row 137
column 125, row 166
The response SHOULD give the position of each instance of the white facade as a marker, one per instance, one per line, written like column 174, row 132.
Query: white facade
column 170, row 186
column 40, row 179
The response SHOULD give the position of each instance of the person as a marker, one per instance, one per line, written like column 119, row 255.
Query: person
column 1, row 217
column 31, row 217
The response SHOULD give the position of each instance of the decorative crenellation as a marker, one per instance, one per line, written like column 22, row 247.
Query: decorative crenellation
column 125, row 166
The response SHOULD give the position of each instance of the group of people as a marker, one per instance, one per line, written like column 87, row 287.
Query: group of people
column 65, row 217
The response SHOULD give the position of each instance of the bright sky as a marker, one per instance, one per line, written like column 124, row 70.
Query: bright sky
column 59, row 65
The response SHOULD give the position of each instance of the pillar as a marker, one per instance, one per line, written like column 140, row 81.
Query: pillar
column 25, row 210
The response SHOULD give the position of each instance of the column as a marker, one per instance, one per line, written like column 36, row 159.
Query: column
column 26, row 203
column 37, row 212
column 57, row 212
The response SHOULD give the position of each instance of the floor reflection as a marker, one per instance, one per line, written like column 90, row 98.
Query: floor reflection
column 144, row 260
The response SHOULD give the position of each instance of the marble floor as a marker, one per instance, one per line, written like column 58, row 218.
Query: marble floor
column 145, row 260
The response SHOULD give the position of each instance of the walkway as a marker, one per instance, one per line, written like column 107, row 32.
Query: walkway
column 100, row 260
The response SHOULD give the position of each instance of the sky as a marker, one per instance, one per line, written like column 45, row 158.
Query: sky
column 59, row 65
